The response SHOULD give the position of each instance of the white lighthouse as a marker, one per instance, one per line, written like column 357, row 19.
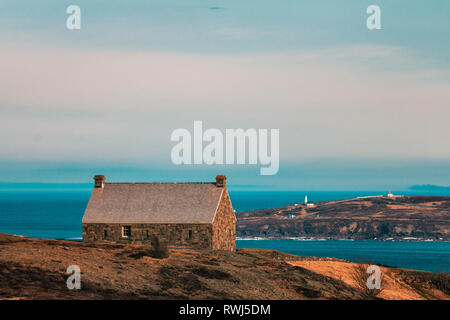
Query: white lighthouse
column 308, row 205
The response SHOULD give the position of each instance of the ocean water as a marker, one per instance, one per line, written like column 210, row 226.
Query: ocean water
column 56, row 213
column 417, row 255
column 43, row 214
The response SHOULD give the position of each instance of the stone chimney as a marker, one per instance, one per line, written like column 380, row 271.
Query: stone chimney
column 99, row 181
column 221, row 181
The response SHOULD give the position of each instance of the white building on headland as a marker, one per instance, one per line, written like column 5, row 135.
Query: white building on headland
column 308, row 205
column 389, row 195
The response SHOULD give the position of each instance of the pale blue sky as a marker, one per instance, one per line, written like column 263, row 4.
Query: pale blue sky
column 231, row 26
column 355, row 108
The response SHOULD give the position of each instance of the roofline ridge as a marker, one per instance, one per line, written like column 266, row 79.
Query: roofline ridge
column 211, row 182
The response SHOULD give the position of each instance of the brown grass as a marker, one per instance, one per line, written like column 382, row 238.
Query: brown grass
column 36, row 269
column 360, row 277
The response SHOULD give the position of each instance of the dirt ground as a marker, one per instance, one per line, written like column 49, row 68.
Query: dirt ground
column 36, row 269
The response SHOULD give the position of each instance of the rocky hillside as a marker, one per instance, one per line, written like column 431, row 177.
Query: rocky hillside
column 36, row 269
column 364, row 218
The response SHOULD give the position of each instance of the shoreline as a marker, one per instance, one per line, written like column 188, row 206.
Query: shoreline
column 407, row 239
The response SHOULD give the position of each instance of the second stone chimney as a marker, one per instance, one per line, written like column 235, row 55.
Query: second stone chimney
column 221, row 181
column 99, row 181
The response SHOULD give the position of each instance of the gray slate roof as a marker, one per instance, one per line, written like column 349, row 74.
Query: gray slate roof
column 153, row 203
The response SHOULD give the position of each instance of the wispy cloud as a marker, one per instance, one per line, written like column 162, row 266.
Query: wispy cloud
column 100, row 104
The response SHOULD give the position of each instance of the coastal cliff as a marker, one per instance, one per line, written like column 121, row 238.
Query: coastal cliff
column 380, row 218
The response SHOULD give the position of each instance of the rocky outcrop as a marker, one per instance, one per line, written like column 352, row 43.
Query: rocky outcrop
column 364, row 218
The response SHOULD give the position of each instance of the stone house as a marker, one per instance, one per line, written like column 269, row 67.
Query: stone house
column 198, row 215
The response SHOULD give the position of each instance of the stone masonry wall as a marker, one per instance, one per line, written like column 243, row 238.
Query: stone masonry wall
column 192, row 235
column 224, row 225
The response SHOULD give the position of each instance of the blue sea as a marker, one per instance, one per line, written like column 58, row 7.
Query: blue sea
column 417, row 255
column 56, row 213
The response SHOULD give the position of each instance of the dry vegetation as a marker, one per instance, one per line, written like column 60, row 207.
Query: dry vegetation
column 36, row 269
column 360, row 278
column 396, row 283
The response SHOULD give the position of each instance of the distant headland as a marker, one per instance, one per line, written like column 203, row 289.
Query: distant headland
column 429, row 187
column 367, row 218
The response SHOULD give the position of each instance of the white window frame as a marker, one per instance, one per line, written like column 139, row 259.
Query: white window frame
column 123, row 231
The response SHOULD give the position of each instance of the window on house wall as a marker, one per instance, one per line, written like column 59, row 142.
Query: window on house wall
column 105, row 234
column 190, row 234
column 148, row 234
column 126, row 231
